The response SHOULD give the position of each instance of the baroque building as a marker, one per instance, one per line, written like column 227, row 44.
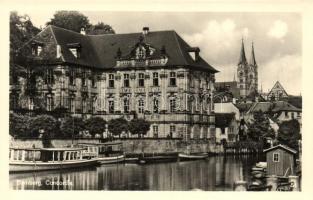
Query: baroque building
column 152, row 75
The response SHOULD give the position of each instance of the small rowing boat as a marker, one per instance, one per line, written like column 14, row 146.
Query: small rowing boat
column 193, row 156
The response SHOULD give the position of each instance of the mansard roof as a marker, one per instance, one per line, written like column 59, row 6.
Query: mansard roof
column 99, row 51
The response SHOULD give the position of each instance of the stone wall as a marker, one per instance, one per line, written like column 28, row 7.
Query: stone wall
column 132, row 145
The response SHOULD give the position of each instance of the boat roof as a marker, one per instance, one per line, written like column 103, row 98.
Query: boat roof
column 101, row 144
column 49, row 149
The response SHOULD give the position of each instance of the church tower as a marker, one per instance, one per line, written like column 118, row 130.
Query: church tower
column 247, row 73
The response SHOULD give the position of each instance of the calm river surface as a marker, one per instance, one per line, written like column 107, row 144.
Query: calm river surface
column 213, row 174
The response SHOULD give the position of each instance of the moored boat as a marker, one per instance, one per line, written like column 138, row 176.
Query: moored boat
column 192, row 156
column 104, row 153
column 40, row 159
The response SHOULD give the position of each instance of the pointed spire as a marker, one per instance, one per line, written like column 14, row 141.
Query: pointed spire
column 242, row 58
column 252, row 58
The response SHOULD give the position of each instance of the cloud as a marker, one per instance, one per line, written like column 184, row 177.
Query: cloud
column 278, row 30
column 286, row 69
column 217, row 41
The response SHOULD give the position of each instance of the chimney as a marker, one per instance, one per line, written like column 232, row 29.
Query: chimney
column 82, row 31
column 145, row 30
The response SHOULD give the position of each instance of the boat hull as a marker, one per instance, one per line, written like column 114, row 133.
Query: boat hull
column 29, row 166
column 110, row 160
column 186, row 157
column 157, row 159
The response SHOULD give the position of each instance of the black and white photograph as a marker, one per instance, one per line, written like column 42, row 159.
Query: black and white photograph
column 155, row 101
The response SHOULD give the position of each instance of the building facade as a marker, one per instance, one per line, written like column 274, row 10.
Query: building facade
column 247, row 73
column 151, row 75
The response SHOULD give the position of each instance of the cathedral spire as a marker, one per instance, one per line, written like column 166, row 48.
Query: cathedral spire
column 242, row 58
column 252, row 58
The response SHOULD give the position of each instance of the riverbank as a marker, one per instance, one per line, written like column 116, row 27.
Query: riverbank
column 132, row 145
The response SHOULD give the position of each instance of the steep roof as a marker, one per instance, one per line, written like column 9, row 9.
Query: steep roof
column 242, row 58
column 100, row 51
column 273, row 106
column 284, row 106
column 280, row 146
column 252, row 58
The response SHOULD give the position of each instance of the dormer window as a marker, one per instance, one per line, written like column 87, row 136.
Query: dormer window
column 36, row 50
column 74, row 52
column 194, row 53
column 140, row 53
column 74, row 49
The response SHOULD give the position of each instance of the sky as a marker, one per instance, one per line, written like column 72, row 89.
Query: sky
column 277, row 39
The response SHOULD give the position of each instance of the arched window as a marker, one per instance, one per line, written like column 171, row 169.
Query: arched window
column 172, row 105
column 126, row 105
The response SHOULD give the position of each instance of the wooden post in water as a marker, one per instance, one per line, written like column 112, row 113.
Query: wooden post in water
column 272, row 180
column 240, row 186
column 295, row 183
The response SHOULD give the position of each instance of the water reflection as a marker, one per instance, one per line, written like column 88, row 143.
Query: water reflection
column 215, row 173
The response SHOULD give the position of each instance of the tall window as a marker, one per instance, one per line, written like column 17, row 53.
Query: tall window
column 141, row 106
column 141, row 80
column 71, row 104
column 172, row 79
column 126, row 80
column 49, row 102
column 49, row 79
column 126, row 105
column 111, row 80
column 172, row 105
column 172, row 130
column 275, row 157
column 93, row 104
column 155, row 105
column 72, row 77
column 93, row 81
column 111, row 106
column 84, row 105
column 155, row 79
column 155, row 131
column 84, row 79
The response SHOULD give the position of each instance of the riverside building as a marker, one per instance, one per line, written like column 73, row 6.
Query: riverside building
column 152, row 75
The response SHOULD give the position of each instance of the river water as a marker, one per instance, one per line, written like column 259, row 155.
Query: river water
column 214, row 174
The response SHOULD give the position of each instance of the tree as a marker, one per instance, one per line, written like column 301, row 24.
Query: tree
column 289, row 133
column 71, row 126
column 99, row 29
column 19, row 125
column 117, row 126
column 260, row 127
column 21, row 30
column 95, row 125
column 47, row 123
column 71, row 20
column 139, row 126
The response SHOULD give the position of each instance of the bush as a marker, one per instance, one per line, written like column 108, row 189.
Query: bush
column 19, row 125
column 95, row 125
column 117, row 126
column 47, row 123
column 289, row 133
column 139, row 126
column 71, row 126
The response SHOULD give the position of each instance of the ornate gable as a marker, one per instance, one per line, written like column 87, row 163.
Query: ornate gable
column 141, row 54
column 277, row 92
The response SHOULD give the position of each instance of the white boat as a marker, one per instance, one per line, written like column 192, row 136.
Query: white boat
column 104, row 153
column 111, row 159
column 40, row 159
column 261, row 164
column 193, row 156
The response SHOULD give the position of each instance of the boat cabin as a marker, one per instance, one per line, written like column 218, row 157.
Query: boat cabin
column 102, row 149
column 45, row 154
column 280, row 161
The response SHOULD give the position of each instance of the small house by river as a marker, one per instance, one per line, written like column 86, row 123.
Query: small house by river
column 280, row 161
